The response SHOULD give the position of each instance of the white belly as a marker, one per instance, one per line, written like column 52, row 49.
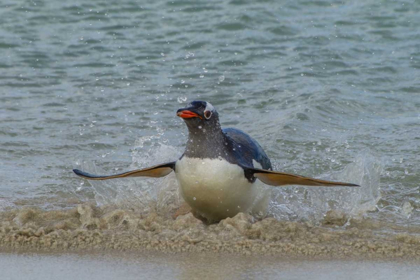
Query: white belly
column 215, row 188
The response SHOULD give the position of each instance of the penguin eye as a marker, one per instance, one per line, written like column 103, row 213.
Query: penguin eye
column 207, row 114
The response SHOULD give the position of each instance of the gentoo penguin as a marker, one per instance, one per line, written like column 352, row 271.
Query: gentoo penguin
column 220, row 170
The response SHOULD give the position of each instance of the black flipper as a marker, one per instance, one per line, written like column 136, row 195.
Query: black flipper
column 274, row 178
column 154, row 171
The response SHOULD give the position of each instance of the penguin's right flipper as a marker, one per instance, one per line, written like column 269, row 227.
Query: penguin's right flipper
column 154, row 171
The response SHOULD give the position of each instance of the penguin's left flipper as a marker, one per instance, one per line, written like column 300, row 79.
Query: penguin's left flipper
column 274, row 178
column 154, row 171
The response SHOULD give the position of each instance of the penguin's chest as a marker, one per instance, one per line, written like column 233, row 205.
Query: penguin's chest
column 214, row 188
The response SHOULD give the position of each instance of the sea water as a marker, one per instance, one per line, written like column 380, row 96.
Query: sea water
column 329, row 89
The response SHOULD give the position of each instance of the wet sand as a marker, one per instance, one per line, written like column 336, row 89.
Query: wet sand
column 194, row 266
column 108, row 229
column 113, row 243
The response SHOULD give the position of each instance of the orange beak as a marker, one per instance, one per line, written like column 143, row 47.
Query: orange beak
column 186, row 114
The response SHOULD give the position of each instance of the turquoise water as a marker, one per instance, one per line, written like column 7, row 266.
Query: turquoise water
column 329, row 89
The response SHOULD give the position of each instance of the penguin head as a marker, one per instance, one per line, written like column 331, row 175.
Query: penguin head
column 199, row 114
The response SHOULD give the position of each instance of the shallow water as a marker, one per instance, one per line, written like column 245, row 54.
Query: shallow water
column 329, row 89
column 209, row 266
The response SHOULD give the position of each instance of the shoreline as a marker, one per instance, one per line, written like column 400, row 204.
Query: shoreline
column 141, row 253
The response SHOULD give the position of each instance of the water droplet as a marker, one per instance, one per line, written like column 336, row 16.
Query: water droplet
column 182, row 99
column 407, row 209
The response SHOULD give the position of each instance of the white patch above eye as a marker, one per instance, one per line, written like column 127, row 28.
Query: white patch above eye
column 209, row 107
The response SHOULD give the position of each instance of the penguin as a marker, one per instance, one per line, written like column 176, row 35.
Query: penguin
column 221, row 171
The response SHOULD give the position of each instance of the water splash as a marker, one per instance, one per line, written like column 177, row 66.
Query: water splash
column 143, row 194
column 286, row 203
column 314, row 203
